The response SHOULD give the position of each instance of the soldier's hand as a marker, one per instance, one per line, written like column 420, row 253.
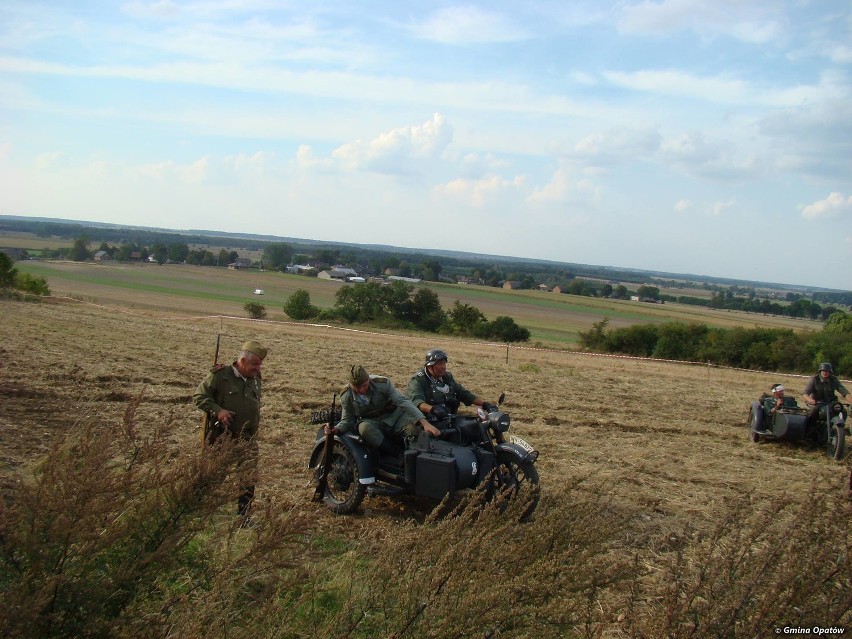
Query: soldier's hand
column 225, row 416
column 328, row 430
column 429, row 428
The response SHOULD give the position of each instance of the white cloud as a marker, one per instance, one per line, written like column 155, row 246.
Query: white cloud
column 397, row 151
column 718, row 160
column 162, row 9
column 466, row 25
column 47, row 160
column 478, row 193
column 621, row 145
column 563, row 188
column 752, row 22
column 835, row 205
column 717, row 208
column 682, row 205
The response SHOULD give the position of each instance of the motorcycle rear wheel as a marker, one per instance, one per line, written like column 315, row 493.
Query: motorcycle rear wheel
column 836, row 445
column 510, row 477
column 344, row 491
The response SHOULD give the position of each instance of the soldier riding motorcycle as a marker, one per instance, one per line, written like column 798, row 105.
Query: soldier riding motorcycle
column 467, row 453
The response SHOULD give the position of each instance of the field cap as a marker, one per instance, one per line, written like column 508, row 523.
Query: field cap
column 358, row 375
column 254, row 348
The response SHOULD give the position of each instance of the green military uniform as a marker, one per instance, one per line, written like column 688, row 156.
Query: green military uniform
column 424, row 389
column 382, row 410
column 824, row 391
column 225, row 388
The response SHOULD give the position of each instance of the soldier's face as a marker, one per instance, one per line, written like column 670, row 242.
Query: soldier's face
column 824, row 374
column 361, row 389
column 249, row 365
column 438, row 368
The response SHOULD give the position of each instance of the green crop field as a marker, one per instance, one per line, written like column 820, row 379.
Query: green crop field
column 551, row 317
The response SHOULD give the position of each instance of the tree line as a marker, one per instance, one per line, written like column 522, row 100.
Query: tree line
column 402, row 305
column 767, row 349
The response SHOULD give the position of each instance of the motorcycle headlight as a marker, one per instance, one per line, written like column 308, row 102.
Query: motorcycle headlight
column 499, row 421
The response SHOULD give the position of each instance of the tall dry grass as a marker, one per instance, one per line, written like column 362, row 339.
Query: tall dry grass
column 657, row 518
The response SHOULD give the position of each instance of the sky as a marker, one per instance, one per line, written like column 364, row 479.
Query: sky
column 710, row 137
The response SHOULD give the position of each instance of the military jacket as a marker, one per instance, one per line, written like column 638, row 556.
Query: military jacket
column 383, row 399
column 823, row 391
column 444, row 390
column 225, row 388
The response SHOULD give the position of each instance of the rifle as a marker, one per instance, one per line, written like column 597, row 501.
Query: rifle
column 322, row 479
column 205, row 419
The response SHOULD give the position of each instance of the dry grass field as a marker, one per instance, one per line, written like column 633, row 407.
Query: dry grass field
column 671, row 513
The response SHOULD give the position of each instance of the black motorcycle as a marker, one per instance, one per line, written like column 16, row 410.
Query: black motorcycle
column 472, row 452
column 791, row 424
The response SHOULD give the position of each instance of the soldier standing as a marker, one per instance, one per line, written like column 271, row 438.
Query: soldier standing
column 230, row 397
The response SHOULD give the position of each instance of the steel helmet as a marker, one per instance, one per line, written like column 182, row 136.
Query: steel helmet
column 434, row 356
column 825, row 366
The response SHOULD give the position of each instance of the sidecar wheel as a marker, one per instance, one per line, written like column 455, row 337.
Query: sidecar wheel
column 344, row 491
column 755, row 422
column 836, row 445
column 510, row 478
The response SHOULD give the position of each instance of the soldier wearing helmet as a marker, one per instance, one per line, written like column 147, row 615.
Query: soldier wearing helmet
column 436, row 393
column 374, row 408
column 821, row 389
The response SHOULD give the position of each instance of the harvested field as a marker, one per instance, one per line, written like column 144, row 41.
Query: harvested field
column 663, row 444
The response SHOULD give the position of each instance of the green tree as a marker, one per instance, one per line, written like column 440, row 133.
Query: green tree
column 648, row 292
column 7, row 271
column 178, row 252
column 160, row 253
column 298, row 305
column 595, row 338
column 224, row 258
column 502, row 328
column 430, row 270
column 35, row 284
column 464, row 318
column 425, row 310
column 838, row 322
column 255, row 310
column 80, row 249
column 277, row 255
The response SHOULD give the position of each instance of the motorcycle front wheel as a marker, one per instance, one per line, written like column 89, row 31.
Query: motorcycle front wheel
column 513, row 479
column 344, row 491
column 836, row 444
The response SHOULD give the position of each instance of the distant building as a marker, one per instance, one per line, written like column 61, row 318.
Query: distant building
column 240, row 264
column 102, row 256
column 512, row 284
column 556, row 289
column 399, row 278
column 337, row 273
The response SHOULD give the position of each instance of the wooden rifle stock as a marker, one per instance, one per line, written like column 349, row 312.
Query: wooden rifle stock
column 205, row 419
column 322, row 479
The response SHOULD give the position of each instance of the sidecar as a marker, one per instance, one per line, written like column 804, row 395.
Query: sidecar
column 788, row 423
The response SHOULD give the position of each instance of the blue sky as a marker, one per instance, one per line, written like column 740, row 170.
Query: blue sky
column 704, row 136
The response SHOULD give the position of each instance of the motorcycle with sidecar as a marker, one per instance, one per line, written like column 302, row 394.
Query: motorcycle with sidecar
column 790, row 423
column 472, row 452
